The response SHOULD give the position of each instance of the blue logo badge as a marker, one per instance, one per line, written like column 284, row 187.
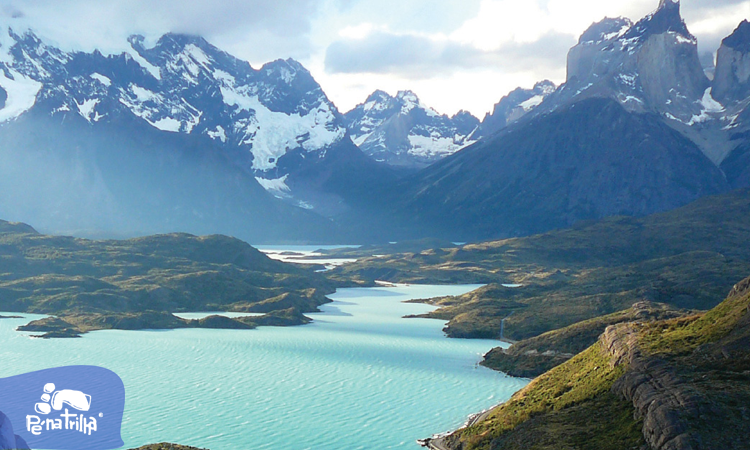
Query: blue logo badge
column 67, row 408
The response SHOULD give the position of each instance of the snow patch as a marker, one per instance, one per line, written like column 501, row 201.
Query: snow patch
column 142, row 94
column 682, row 39
column 225, row 77
column 583, row 89
column 272, row 134
column 167, row 124
column 219, row 133
column 87, row 109
column 275, row 186
column 670, row 116
column 431, row 146
column 22, row 92
column 616, row 34
column 102, row 79
column 630, row 98
column 359, row 140
column 627, row 79
column 532, row 103
column 709, row 106
column 150, row 68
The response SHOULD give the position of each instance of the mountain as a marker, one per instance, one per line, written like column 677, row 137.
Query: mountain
column 402, row 131
column 589, row 160
column 515, row 105
column 634, row 130
column 177, row 136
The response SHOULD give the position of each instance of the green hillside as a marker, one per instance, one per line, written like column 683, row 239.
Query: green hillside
column 683, row 381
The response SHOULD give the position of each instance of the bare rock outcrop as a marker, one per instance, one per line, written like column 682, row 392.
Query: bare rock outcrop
column 732, row 78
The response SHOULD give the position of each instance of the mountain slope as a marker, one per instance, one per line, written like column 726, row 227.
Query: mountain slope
column 633, row 131
column 590, row 160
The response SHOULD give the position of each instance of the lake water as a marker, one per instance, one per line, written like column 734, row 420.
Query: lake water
column 359, row 377
column 306, row 254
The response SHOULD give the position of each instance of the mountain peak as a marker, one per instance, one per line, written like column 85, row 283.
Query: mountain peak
column 605, row 30
column 666, row 18
column 740, row 39
column 408, row 96
column 378, row 96
column 175, row 43
column 545, row 87
column 669, row 4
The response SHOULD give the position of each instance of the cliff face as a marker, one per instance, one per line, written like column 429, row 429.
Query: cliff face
column 660, row 397
column 652, row 65
column 732, row 78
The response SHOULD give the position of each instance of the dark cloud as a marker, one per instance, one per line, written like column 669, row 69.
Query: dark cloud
column 421, row 57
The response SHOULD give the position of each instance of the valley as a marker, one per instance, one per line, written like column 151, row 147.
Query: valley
column 574, row 264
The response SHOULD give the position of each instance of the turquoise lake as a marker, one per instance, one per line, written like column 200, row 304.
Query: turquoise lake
column 359, row 377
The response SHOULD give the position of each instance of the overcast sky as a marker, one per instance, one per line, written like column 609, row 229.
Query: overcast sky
column 455, row 54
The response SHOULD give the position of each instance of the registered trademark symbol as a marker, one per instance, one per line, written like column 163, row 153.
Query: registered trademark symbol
column 101, row 414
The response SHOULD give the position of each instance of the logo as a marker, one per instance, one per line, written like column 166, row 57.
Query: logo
column 80, row 407
column 56, row 400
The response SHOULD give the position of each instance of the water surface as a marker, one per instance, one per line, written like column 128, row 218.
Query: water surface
column 359, row 377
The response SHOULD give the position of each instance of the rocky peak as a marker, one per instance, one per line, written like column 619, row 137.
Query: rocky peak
column 515, row 105
column 286, row 86
column 652, row 66
column 732, row 75
column 666, row 18
column 605, row 30
column 286, row 69
column 739, row 40
column 379, row 96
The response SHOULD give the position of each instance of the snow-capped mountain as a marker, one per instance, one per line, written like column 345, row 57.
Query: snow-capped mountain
column 183, row 85
column 402, row 131
column 266, row 126
column 515, row 105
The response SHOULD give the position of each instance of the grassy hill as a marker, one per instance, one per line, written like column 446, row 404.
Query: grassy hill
column 682, row 383
column 137, row 283
column 534, row 356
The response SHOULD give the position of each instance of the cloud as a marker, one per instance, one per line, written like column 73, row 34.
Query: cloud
column 418, row 56
column 258, row 28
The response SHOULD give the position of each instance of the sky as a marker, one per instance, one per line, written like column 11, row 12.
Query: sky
column 454, row 54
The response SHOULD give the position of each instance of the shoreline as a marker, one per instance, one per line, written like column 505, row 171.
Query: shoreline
column 437, row 441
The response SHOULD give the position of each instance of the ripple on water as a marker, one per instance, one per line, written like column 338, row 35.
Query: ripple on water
column 362, row 374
